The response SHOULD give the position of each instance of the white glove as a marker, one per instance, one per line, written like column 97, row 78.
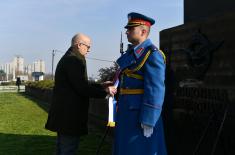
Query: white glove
column 147, row 130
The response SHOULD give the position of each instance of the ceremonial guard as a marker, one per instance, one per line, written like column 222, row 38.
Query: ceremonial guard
column 139, row 127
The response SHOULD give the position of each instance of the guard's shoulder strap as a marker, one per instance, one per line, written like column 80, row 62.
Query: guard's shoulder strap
column 154, row 48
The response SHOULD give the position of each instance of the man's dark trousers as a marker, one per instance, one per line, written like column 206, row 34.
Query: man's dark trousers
column 66, row 145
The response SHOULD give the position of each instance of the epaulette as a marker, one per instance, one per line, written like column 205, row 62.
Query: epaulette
column 154, row 48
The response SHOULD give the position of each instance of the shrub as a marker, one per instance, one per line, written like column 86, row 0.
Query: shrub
column 44, row 84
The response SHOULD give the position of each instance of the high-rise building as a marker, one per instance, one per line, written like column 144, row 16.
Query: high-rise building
column 8, row 69
column 39, row 66
column 29, row 69
column 18, row 65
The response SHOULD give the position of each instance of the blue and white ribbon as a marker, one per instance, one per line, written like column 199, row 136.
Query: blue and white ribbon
column 112, row 108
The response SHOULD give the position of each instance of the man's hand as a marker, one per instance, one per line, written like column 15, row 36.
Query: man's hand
column 111, row 90
column 147, row 130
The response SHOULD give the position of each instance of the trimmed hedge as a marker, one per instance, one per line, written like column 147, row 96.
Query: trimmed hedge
column 44, row 84
column 40, row 89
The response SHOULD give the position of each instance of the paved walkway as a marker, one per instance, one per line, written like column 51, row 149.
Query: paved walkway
column 11, row 88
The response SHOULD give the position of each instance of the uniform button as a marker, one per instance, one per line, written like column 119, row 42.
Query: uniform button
column 133, row 62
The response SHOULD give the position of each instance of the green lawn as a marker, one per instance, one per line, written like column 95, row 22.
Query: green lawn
column 22, row 130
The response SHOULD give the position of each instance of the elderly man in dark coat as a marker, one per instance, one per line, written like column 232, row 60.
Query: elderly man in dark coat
column 68, row 113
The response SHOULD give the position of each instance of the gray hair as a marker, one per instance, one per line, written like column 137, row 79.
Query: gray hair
column 75, row 39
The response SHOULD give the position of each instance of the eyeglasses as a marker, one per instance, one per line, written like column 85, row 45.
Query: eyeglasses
column 88, row 46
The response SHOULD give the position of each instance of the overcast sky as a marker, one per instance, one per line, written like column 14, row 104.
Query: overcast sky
column 33, row 28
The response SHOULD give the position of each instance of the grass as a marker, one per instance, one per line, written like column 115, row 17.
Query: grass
column 22, row 130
